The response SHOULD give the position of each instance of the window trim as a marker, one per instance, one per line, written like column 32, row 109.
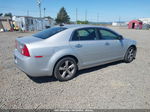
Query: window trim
column 97, row 35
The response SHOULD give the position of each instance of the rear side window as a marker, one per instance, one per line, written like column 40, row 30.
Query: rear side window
column 49, row 32
column 85, row 34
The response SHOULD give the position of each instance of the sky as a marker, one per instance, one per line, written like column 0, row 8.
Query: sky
column 97, row 10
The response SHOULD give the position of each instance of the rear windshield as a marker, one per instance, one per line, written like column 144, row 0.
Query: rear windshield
column 49, row 32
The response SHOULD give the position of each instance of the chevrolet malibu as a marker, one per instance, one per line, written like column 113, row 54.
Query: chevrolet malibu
column 63, row 50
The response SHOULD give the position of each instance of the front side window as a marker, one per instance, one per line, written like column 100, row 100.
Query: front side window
column 107, row 35
column 49, row 32
column 85, row 34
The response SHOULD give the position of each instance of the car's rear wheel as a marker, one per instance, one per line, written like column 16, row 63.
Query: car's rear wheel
column 130, row 55
column 65, row 69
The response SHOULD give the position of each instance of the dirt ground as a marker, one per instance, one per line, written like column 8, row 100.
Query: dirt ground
column 112, row 86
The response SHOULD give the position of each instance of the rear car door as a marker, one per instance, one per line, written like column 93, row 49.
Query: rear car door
column 84, row 43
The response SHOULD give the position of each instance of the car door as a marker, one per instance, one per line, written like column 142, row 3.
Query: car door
column 84, row 43
column 112, row 45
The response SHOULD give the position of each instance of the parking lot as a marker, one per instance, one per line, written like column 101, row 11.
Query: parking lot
column 113, row 86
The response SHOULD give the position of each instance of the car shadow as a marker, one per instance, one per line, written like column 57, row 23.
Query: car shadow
column 44, row 79
column 88, row 70
column 81, row 72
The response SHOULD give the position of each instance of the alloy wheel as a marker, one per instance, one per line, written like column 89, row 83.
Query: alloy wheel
column 67, row 69
column 131, row 54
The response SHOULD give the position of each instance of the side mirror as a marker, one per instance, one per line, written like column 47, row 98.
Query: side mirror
column 120, row 37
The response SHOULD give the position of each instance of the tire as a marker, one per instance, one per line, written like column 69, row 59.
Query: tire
column 65, row 69
column 130, row 55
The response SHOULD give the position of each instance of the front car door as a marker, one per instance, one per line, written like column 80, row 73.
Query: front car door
column 113, row 46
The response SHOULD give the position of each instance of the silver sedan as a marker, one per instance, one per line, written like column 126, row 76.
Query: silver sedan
column 63, row 50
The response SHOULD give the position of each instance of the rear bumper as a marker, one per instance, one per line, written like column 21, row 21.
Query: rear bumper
column 32, row 66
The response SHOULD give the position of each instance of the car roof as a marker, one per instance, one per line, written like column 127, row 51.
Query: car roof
column 79, row 26
column 75, row 26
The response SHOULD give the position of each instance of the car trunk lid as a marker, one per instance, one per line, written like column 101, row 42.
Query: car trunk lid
column 21, row 41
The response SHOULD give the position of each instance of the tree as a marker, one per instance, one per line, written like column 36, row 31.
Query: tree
column 8, row 15
column 1, row 14
column 62, row 16
column 82, row 22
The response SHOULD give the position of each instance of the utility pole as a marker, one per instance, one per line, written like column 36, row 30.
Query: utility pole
column 119, row 21
column 44, row 12
column 39, row 5
column 27, row 12
column 76, row 15
column 97, row 18
column 85, row 15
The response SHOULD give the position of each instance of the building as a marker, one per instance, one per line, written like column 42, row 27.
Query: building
column 135, row 24
column 5, row 23
column 28, row 23
column 119, row 24
column 145, row 20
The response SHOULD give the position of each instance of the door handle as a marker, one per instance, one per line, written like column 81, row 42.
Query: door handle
column 78, row 46
column 107, row 43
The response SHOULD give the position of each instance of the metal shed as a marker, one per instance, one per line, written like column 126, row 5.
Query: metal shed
column 135, row 24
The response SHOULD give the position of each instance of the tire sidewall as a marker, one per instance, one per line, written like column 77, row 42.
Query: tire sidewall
column 60, row 62
column 126, row 56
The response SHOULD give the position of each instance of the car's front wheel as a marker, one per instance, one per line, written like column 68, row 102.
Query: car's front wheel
column 65, row 69
column 130, row 55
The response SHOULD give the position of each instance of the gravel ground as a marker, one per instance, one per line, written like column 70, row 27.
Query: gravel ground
column 112, row 86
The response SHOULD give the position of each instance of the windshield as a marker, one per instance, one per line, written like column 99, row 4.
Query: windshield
column 49, row 32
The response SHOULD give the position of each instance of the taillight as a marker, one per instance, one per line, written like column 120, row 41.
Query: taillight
column 25, row 51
